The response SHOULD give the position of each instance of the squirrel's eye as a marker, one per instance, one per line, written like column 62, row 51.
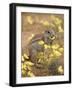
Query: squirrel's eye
column 48, row 32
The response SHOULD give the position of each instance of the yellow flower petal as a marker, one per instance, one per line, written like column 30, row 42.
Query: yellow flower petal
column 25, row 56
column 29, row 68
column 41, row 42
column 57, row 53
column 30, row 74
column 60, row 29
column 58, row 21
column 24, row 66
column 23, row 72
column 32, row 35
column 39, row 60
column 60, row 69
column 45, row 23
column 29, row 19
column 61, row 49
column 29, row 63
column 55, row 46
column 52, row 25
column 46, row 46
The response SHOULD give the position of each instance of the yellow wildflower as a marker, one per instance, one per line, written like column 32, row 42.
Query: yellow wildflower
column 41, row 42
column 24, row 67
column 61, row 49
column 60, row 69
column 60, row 29
column 45, row 23
column 52, row 25
column 55, row 46
column 46, row 46
column 29, row 19
column 29, row 68
column 58, row 21
column 57, row 53
column 22, row 58
column 29, row 63
column 23, row 72
column 39, row 60
column 25, row 56
column 32, row 35
column 30, row 74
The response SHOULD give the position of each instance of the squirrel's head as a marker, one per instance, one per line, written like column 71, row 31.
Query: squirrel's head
column 49, row 35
